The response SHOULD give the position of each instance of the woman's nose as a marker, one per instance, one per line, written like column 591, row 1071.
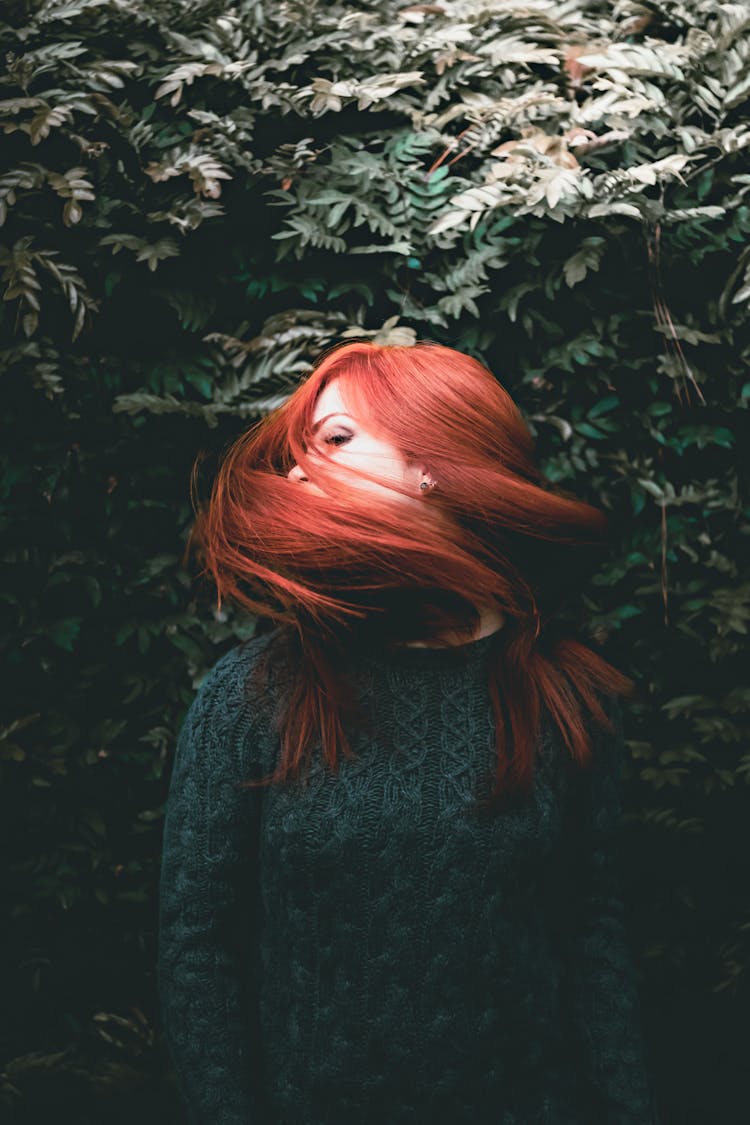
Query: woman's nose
column 296, row 474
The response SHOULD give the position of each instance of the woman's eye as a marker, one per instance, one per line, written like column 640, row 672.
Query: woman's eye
column 339, row 439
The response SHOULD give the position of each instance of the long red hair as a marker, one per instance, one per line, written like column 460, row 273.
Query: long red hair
column 337, row 571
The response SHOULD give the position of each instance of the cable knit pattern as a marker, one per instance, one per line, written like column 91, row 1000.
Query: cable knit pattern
column 362, row 949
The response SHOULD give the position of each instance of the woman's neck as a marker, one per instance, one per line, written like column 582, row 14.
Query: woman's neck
column 490, row 621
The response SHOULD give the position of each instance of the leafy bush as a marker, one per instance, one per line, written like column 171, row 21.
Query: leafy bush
column 199, row 198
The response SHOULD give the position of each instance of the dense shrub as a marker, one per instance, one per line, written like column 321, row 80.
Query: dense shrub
column 196, row 199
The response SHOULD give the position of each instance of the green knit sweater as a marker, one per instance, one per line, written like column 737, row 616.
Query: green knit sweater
column 360, row 950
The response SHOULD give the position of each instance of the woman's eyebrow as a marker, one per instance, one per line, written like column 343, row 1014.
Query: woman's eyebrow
column 335, row 414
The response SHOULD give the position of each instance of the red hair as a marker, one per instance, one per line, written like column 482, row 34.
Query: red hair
column 337, row 572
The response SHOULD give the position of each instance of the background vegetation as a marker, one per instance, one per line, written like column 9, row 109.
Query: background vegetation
column 197, row 198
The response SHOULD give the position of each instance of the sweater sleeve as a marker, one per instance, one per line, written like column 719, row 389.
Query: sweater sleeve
column 206, row 912
column 607, row 1047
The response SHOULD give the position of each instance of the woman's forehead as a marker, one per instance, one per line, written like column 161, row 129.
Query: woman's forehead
column 332, row 401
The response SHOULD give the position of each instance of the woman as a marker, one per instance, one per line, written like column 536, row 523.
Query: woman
column 389, row 886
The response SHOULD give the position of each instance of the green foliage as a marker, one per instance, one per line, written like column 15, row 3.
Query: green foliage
column 196, row 199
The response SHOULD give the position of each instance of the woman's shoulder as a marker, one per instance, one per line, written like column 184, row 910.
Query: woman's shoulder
column 231, row 670
column 226, row 691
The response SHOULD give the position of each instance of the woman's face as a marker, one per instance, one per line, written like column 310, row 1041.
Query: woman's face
column 347, row 441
